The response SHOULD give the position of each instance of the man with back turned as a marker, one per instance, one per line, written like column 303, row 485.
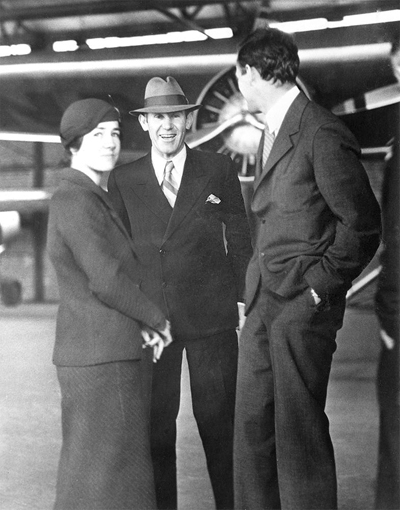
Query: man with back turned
column 186, row 214
column 318, row 227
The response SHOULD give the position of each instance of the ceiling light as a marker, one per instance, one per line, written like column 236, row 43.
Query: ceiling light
column 220, row 33
column 60, row 46
column 168, row 38
column 308, row 25
column 14, row 50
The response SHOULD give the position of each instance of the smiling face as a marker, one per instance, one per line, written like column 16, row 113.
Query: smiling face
column 99, row 149
column 167, row 131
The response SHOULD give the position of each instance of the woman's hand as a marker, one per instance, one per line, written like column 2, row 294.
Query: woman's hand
column 157, row 340
column 166, row 334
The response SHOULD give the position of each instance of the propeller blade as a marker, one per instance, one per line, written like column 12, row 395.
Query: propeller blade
column 383, row 96
column 206, row 134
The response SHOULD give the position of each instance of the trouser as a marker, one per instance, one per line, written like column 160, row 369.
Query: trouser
column 283, row 454
column 212, row 364
column 388, row 477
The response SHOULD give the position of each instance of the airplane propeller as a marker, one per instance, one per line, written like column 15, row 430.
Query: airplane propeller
column 377, row 98
column 224, row 123
column 206, row 134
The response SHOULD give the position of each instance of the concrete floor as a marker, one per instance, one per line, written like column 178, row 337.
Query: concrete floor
column 30, row 415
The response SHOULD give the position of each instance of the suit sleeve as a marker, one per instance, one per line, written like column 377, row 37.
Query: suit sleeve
column 237, row 231
column 84, row 229
column 117, row 201
column 344, row 185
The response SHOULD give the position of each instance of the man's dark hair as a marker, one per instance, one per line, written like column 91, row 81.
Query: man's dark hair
column 273, row 53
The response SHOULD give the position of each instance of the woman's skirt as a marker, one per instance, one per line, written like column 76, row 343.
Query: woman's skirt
column 105, row 461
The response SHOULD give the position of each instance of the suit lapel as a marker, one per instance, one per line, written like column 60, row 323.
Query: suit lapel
column 117, row 220
column 83, row 180
column 283, row 142
column 148, row 190
column 194, row 180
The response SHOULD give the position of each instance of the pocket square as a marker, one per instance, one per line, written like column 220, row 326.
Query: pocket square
column 212, row 199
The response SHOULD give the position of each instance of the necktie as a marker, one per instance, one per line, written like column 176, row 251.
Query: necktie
column 169, row 184
column 268, row 141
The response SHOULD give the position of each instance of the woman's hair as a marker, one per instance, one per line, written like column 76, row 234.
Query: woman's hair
column 83, row 116
column 75, row 143
column 273, row 53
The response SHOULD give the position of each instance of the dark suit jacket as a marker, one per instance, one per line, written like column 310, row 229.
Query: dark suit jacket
column 318, row 219
column 186, row 267
column 387, row 297
column 101, row 303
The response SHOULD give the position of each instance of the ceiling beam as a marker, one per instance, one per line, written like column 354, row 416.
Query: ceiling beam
column 90, row 8
column 193, row 63
column 332, row 10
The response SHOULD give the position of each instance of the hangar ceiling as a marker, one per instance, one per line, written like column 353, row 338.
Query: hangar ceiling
column 41, row 22
column 34, row 102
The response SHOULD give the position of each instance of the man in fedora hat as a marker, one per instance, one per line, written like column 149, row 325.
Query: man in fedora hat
column 186, row 215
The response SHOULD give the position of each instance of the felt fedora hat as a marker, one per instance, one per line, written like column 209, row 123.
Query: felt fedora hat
column 164, row 96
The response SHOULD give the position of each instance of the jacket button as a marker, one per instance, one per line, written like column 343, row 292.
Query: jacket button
column 164, row 284
column 162, row 252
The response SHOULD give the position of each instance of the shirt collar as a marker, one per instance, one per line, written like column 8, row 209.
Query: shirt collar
column 159, row 164
column 274, row 117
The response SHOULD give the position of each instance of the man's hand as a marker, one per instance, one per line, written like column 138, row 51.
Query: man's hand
column 242, row 316
column 387, row 340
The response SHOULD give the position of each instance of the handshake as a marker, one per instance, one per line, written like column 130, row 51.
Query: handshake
column 157, row 339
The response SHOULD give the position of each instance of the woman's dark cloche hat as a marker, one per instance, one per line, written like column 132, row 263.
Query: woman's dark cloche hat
column 164, row 96
column 83, row 116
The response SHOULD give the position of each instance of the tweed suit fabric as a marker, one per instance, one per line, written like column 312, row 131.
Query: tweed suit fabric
column 105, row 463
column 318, row 226
column 98, row 279
column 104, row 373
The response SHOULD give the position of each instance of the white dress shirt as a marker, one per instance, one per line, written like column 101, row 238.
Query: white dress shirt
column 159, row 164
column 276, row 114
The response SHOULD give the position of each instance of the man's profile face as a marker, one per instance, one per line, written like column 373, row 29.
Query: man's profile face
column 167, row 131
column 395, row 60
column 244, row 78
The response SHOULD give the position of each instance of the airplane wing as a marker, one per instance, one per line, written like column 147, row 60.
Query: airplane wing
column 14, row 136
column 25, row 201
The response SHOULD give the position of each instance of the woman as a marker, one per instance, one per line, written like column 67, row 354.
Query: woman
column 103, row 372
